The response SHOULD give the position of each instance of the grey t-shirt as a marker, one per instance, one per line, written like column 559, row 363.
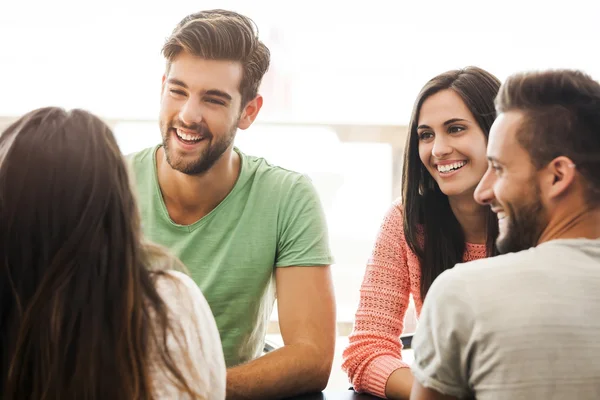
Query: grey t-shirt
column 518, row 326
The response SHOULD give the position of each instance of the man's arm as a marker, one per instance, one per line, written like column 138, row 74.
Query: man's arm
column 306, row 305
column 420, row 392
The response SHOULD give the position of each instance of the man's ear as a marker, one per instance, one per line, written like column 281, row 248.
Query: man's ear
column 559, row 176
column 250, row 112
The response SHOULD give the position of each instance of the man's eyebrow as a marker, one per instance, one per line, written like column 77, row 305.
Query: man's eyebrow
column 218, row 93
column 209, row 92
column 177, row 82
column 494, row 159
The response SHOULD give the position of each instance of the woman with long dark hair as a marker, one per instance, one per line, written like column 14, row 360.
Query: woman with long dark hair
column 87, row 310
column 436, row 225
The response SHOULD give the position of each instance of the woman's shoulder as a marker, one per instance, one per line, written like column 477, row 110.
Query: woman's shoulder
column 393, row 219
column 183, row 297
column 396, row 213
column 177, row 288
column 397, row 206
column 174, row 281
column 176, row 278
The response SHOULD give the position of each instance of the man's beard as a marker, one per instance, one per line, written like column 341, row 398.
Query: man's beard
column 525, row 225
column 208, row 157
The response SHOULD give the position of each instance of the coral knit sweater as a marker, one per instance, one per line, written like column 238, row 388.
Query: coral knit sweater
column 393, row 273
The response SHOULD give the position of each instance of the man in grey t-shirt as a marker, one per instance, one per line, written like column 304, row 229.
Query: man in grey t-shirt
column 526, row 324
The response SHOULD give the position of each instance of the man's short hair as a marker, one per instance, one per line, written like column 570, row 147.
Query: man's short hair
column 222, row 35
column 562, row 118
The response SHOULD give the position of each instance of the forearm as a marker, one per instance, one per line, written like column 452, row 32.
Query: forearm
column 399, row 384
column 293, row 369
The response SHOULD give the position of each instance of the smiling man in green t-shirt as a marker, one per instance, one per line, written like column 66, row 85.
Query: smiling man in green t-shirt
column 245, row 229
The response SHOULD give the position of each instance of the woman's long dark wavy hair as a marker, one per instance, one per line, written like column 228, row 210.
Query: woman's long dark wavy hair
column 441, row 242
column 79, row 312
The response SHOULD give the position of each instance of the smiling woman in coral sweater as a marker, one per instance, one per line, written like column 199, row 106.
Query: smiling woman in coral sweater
column 437, row 225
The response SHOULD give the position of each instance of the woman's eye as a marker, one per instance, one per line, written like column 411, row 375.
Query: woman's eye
column 425, row 135
column 456, row 129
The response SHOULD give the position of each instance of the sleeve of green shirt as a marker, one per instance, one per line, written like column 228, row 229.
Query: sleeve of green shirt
column 303, row 238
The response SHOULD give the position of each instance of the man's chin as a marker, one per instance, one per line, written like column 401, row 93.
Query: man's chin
column 181, row 162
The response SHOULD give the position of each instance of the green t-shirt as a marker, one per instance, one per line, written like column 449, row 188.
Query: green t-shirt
column 271, row 218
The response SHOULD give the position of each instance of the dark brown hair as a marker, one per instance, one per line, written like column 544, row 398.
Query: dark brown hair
column 222, row 35
column 427, row 212
column 79, row 311
column 562, row 118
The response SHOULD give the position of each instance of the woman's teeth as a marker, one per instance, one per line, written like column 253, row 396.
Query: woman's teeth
column 451, row 167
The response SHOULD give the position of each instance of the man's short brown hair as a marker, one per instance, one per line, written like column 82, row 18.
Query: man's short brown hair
column 562, row 118
column 222, row 35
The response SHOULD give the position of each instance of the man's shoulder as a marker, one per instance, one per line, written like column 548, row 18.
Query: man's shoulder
column 541, row 256
column 473, row 281
column 274, row 176
column 140, row 157
column 141, row 170
column 486, row 275
column 490, row 266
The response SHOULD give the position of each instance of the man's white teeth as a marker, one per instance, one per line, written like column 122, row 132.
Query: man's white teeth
column 188, row 137
column 451, row 167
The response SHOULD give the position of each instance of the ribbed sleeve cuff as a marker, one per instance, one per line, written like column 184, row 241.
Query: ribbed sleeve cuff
column 378, row 373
